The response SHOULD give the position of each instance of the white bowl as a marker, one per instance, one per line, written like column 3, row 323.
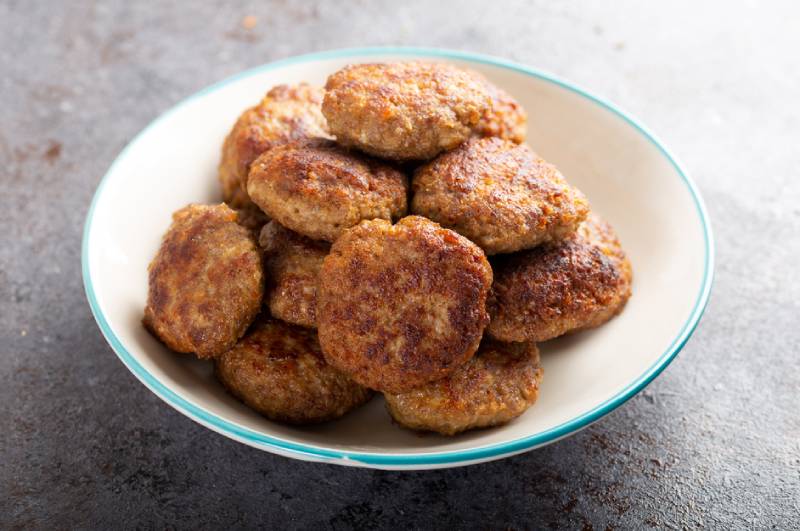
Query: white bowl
column 629, row 176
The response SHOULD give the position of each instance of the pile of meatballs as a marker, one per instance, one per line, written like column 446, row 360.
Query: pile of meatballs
column 389, row 233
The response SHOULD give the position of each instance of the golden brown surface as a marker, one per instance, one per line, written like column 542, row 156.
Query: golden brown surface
column 499, row 195
column 507, row 119
column 205, row 282
column 578, row 283
column 320, row 189
column 401, row 305
column 497, row 385
column 404, row 110
column 287, row 113
column 292, row 263
column 278, row 370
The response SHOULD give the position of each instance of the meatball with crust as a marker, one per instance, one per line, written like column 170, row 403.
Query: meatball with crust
column 401, row 305
column 320, row 189
column 291, row 263
column 507, row 119
column 287, row 113
column 578, row 283
column 499, row 195
column 205, row 283
column 497, row 385
column 277, row 369
column 404, row 110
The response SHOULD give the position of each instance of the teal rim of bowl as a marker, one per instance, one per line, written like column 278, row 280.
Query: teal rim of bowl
column 490, row 452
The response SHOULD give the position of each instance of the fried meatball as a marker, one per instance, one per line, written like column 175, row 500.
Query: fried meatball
column 286, row 113
column 578, row 283
column 205, row 283
column 291, row 263
column 497, row 385
column 507, row 119
column 404, row 111
column 278, row 370
column 401, row 305
column 499, row 195
column 320, row 189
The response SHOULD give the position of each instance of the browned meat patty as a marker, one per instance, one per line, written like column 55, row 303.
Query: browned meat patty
column 278, row 370
column 292, row 263
column 507, row 119
column 405, row 110
column 401, row 305
column 578, row 283
column 497, row 385
column 287, row 113
column 499, row 195
column 320, row 189
column 205, row 283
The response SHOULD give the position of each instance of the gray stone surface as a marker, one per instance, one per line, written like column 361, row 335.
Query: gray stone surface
column 713, row 442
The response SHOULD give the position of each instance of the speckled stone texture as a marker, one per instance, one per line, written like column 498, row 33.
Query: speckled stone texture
column 713, row 442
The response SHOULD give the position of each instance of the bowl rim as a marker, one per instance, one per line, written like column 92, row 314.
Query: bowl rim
column 380, row 459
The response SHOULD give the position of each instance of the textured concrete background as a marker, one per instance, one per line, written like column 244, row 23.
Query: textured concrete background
column 713, row 442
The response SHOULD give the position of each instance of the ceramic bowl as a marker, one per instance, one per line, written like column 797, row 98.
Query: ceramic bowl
column 630, row 178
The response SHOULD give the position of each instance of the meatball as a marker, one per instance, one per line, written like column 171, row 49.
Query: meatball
column 292, row 263
column 499, row 195
column 507, row 119
column 497, row 385
column 278, row 370
column 319, row 189
column 404, row 111
column 401, row 305
column 285, row 114
column 578, row 283
column 205, row 283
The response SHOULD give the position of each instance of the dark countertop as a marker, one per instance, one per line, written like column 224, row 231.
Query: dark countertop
column 713, row 442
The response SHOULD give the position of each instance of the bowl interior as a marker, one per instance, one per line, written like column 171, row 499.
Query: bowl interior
column 628, row 179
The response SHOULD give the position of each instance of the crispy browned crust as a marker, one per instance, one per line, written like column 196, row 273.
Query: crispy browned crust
column 401, row 305
column 278, row 370
column 497, row 385
column 506, row 119
column 287, row 113
column 320, row 189
column 292, row 263
column 499, row 195
column 205, row 282
column 404, row 110
column 576, row 284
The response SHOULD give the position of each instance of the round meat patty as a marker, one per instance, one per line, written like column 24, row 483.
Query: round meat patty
column 578, row 283
column 292, row 263
column 497, row 385
column 320, row 189
column 287, row 113
column 278, row 370
column 205, row 283
column 499, row 195
column 401, row 305
column 506, row 119
column 404, row 110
